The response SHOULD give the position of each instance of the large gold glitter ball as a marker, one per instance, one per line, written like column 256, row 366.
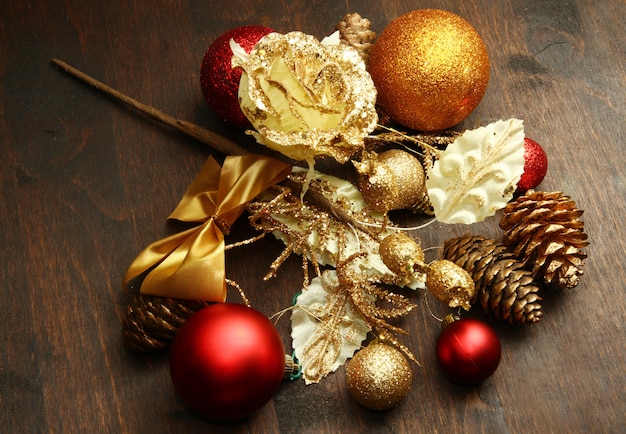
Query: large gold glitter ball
column 391, row 180
column 431, row 69
column 450, row 283
column 379, row 377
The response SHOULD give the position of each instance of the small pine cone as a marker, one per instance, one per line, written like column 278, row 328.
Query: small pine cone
column 503, row 288
column 543, row 230
column 423, row 205
column 430, row 156
column 383, row 118
column 151, row 322
column 355, row 31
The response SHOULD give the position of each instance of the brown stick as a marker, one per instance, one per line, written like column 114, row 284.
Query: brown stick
column 209, row 138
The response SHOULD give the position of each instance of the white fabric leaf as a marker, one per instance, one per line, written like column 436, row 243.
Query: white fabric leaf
column 477, row 174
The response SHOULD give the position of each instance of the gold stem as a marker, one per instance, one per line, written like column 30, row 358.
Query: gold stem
column 209, row 138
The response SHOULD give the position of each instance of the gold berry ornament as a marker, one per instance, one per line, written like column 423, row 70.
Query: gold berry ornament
column 379, row 377
column 401, row 254
column 450, row 283
column 431, row 69
column 391, row 180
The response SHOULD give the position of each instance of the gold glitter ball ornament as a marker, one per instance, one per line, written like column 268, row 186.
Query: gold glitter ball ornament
column 379, row 377
column 401, row 254
column 391, row 180
column 450, row 283
column 431, row 69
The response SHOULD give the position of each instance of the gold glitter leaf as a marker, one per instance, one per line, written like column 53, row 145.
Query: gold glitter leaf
column 334, row 226
column 325, row 329
column 316, row 232
column 477, row 174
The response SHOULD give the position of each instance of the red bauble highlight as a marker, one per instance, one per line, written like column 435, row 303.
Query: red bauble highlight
column 535, row 166
column 468, row 351
column 227, row 361
column 218, row 79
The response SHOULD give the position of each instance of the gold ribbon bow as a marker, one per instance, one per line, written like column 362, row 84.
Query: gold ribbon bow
column 189, row 265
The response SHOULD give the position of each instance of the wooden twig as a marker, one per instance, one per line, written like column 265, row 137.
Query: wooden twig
column 209, row 138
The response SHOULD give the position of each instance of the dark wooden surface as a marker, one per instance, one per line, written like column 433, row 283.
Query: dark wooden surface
column 87, row 183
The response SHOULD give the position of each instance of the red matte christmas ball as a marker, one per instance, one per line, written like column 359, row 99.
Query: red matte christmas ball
column 218, row 79
column 468, row 351
column 227, row 361
column 535, row 166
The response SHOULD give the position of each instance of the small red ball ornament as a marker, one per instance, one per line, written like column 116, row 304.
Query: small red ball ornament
column 227, row 361
column 535, row 166
column 468, row 351
column 220, row 81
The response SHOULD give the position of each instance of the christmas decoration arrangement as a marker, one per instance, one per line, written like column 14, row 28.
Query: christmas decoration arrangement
column 383, row 108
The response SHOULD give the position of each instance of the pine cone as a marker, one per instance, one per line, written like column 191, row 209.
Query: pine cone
column 503, row 288
column 424, row 205
column 543, row 230
column 151, row 322
column 355, row 31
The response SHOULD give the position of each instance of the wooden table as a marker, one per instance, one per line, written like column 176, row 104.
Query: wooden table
column 87, row 183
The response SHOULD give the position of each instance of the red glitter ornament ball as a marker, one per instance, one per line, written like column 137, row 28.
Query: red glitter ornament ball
column 219, row 81
column 468, row 351
column 227, row 361
column 535, row 166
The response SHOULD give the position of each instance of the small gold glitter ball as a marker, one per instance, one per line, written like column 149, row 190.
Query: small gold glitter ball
column 431, row 69
column 391, row 180
column 450, row 283
column 401, row 253
column 379, row 377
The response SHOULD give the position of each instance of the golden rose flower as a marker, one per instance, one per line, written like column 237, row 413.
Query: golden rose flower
column 307, row 98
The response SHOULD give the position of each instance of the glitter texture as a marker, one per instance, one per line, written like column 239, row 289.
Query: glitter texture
column 535, row 166
column 307, row 98
column 450, row 283
column 379, row 377
column 220, row 81
column 431, row 69
column 401, row 254
column 391, row 180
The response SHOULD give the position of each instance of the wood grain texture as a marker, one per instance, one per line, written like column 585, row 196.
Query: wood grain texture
column 87, row 183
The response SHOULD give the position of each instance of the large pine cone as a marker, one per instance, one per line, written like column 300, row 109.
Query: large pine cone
column 543, row 230
column 503, row 288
